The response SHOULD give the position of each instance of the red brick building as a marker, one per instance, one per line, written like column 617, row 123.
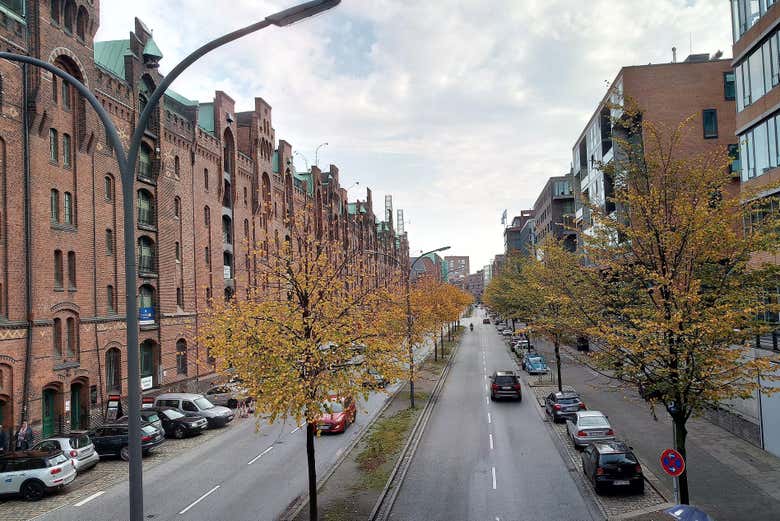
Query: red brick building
column 212, row 183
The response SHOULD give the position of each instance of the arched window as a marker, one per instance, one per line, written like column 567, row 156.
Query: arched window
column 227, row 263
column 108, row 188
column 109, row 241
column 54, row 146
column 113, row 369
column 176, row 166
column 72, row 270
column 181, row 356
column 227, row 232
column 82, row 20
column 206, row 178
column 68, row 208
column 207, row 216
column 246, row 229
column 70, row 15
column 146, row 255
column 145, row 162
column 176, row 207
column 71, row 338
column 146, row 302
column 57, row 337
column 145, row 208
column 207, row 254
column 58, row 269
column 110, row 299
column 55, row 205
column 66, row 150
column 177, row 251
column 179, row 298
column 54, row 10
column 245, row 197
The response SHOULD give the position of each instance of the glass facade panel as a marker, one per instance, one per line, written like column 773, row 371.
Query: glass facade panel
column 761, row 148
column 766, row 52
column 756, row 71
column 772, row 138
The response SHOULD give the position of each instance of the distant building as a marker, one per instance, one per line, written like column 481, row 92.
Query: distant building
column 554, row 212
column 432, row 265
column 475, row 284
column 498, row 264
column 516, row 235
column 457, row 268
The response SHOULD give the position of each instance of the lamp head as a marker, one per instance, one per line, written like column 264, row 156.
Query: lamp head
column 301, row 12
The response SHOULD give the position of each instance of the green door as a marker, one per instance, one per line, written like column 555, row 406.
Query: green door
column 75, row 406
column 49, row 414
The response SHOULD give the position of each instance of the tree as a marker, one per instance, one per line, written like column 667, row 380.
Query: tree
column 312, row 328
column 672, row 289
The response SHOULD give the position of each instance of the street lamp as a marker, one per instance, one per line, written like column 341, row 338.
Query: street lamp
column 316, row 153
column 408, row 291
column 126, row 162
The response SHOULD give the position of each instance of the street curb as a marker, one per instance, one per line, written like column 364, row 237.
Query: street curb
column 298, row 504
column 383, row 508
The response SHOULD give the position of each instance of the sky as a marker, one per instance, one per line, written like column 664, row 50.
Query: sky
column 458, row 108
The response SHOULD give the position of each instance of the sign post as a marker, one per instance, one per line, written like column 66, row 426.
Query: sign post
column 673, row 464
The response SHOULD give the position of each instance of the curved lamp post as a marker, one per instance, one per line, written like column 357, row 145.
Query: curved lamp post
column 409, row 321
column 316, row 154
column 126, row 163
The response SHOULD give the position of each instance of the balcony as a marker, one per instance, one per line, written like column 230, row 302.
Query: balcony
column 583, row 215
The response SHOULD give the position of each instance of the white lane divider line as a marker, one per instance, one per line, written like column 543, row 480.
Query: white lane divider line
column 487, row 401
column 494, row 478
column 266, row 451
column 491, row 441
column 90, row 498
column 201, row 498
column 295, row 429
column 490, row 420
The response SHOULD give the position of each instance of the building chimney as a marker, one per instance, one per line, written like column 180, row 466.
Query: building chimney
column 674, row 54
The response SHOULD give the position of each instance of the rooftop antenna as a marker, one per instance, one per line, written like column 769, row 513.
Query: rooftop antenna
column 674, row 54
column 690, row 43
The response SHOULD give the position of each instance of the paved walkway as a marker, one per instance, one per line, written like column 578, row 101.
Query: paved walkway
column 728, row 477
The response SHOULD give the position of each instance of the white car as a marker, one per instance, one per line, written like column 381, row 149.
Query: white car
column 588, row 427
column 77, row 446
column 33, row 473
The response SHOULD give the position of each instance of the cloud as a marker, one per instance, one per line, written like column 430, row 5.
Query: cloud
column 459, row 109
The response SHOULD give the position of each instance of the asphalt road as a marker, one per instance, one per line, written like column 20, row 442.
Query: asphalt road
column 241, row 475
column 483, row 460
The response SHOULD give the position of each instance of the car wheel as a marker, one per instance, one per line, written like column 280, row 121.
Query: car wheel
column 232, row 403
column 33, row 491
column 178, row 432
column 639, row 489
column 598, row 488
column 124, row 453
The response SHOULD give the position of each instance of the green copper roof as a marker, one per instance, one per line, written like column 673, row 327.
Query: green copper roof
column 151, row 49
column 351, row 208
column 181, row 99
column 110, row 55
column 206, row 117
column 275, row 162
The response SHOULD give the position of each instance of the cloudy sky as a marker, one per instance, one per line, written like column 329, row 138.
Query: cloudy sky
column 458, row 108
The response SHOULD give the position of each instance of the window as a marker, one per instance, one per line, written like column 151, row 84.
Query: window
column 206, row 179
column 54, row 152
column 178, row 251
column 728, row 85
column 208, row 296
column 68, row 208
column 66, row 150
column 710, row 122
column 70, row 15
column 227, row 235
column 208, row 256
column 145, row 255
column 81, row 23
column 246, row 229
column 207, row 216
column 72, row 270
column 109, row 241
column 71, row 339
column 58, row 269
column 145, row 162
column 55, row 205
column 735, row 166
column 108, row 188
column 57, row 337
column 65, row 95
column 180, row 298
column 145, row 208
column 54, row 10
column 245, row 197
column 146, row 296
column 756, row 71
column 181, row 356
column 113, row 369
column 54, row 95
column 176, row 166
column 110, row 299
column 176, row 207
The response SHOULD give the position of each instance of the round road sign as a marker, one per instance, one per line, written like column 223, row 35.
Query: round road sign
column 672, row 462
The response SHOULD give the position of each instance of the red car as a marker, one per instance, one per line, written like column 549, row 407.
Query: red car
column 337, row 414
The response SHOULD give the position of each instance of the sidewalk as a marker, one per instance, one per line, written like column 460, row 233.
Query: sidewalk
column 728, row 477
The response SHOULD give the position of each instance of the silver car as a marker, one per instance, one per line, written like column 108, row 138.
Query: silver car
column 191, row 404
column 226, row 395
column 588, row 427
column 77, row 446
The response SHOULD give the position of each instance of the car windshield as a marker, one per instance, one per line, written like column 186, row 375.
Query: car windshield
column 607, row 459
column 333, row 407
column 203, row 404
column 79, row 442
column 568, row 401
column 172, row 415
column 536, row 361
column 56, row 460
column 148, row 429
column 593, row 421
column 505, row 380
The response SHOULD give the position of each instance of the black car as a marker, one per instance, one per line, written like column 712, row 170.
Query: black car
column 612, row 464
column 178, row 425
column 112, row 439
column 505, row 384
column 562, row 406
column 148, row 415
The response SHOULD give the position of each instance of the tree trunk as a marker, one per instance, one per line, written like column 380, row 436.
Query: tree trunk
column 557, row 344
column 310, row 433
column 441, row 336
column 435, row 349
column 680, row 434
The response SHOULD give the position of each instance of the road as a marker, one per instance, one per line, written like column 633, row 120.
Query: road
column 486, row 460
column 240, row 475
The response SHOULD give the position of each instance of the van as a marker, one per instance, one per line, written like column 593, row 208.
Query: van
column 196, row 404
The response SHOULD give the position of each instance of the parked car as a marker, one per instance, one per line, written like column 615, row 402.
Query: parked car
column 112, row 439
column 505, row 384
column 612, row 464
column 337, row 414
column 32, row 473
column 583, row 344
column 227, row 395
column 562, row 406
column 179, row 425
column 521, row 345
column 191, row 404
column 589, row 427
column 486, row 321
column 148, row 415
column 76, row 445
column 375, row 380
column 534, row 363
column 507, row 333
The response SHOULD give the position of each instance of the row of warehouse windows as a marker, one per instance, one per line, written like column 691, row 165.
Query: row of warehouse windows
column 759, row 72
column 759, row 147
column 745, row 13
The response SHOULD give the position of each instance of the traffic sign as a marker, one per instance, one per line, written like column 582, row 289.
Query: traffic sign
column 672, row 462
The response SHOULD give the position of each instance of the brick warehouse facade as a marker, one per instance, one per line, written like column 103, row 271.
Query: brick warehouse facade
column 210, row 183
